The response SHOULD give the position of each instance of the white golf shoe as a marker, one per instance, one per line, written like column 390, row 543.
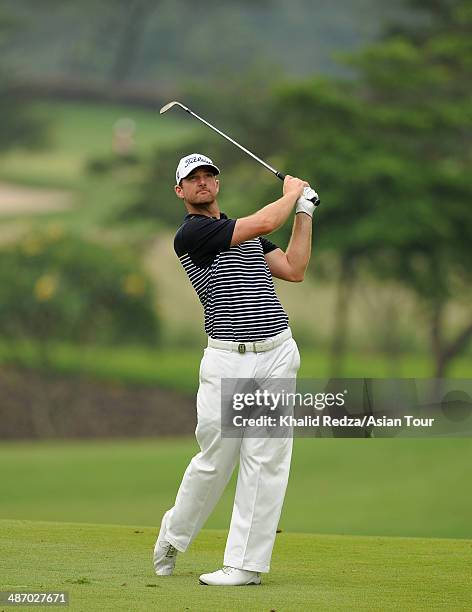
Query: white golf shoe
column 164, row 553
column 230, row 576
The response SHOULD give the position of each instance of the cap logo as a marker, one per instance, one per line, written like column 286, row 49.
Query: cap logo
column 197, row 158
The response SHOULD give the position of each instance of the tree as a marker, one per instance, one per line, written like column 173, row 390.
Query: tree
column 392, row 152
column 429, row 124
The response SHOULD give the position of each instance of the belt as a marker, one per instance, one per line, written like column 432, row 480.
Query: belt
column 254, row 347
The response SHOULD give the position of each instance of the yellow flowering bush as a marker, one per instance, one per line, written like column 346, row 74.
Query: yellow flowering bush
column 56, row 285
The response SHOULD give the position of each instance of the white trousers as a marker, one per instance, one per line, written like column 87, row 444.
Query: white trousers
column 264, row 463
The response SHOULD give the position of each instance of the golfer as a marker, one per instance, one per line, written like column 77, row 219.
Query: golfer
column 230, row 266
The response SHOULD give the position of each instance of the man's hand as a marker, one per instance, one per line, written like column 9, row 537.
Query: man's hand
column 294, row 185
column 307, row 197
column 305, row 206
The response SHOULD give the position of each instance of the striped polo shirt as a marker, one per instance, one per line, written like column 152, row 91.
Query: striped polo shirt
column 233, row 283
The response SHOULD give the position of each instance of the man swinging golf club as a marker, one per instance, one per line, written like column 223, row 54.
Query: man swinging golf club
column 230, row 265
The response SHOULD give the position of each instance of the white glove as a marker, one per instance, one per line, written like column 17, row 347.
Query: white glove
column 307, row 202
column 304, row 206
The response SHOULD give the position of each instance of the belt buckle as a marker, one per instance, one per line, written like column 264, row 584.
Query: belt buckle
column 241, row 348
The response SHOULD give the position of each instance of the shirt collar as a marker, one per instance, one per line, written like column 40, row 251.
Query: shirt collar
column 190, row 215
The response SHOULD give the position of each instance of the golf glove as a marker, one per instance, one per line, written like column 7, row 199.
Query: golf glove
column 307, row 202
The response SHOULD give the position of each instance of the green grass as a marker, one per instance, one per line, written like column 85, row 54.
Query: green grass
column 108, row 567
column 366, row 487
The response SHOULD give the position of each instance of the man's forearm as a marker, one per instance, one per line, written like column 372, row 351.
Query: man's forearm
column 299, row 248
column 275, row 214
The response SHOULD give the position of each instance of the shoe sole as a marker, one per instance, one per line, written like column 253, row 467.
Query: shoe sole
column 247, row 584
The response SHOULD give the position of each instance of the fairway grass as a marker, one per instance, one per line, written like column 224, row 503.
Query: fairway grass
column 108, row 567
column 388, row 487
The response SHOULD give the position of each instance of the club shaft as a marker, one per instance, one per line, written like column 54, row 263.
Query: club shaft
column 258, row 159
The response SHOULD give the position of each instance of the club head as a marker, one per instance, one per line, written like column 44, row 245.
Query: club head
column 170, row 105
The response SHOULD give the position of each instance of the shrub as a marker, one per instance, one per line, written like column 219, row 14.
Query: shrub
column 59, row 286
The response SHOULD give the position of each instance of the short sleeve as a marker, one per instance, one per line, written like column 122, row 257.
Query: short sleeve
column 267, row 245
column 204, row 238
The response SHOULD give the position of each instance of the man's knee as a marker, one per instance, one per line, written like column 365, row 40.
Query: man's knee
column 215, row 450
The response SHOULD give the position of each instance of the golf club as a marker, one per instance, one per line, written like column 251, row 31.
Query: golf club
column 308, row 193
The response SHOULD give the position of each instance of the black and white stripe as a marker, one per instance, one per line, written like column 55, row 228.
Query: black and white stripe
column 238, row 294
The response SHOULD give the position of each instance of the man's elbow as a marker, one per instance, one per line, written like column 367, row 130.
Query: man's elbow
column 296, row 276
column 293, row 273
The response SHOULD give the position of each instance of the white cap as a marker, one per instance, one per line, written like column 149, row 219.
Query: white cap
column 190, row 162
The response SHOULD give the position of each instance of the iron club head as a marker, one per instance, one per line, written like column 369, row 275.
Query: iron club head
column 170, row 105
